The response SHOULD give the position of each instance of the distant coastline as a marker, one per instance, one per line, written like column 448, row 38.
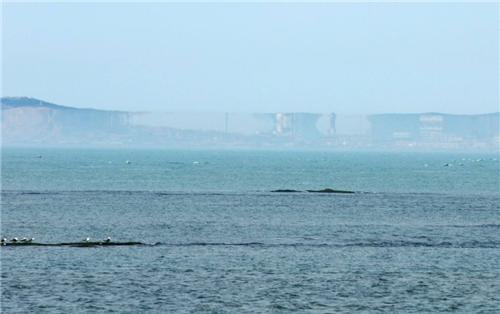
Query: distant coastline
column 33, row 122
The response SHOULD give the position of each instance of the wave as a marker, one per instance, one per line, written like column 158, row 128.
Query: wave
column 473, row 226
column 365, row 244
column 258, row 193
column 368, row 244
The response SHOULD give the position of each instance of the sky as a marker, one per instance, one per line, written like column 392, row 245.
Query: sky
column 348, row 58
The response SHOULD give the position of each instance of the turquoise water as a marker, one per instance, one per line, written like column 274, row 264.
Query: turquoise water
column 247, row 171
column 418, row 237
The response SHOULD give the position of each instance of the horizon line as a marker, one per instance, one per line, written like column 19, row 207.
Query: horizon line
column 236, row 112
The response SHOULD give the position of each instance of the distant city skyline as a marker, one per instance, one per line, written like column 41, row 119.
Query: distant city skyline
column 29, row 121
column 295, row 57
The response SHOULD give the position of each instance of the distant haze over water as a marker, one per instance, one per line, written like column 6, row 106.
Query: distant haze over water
column 33, row 122
column 250, row 157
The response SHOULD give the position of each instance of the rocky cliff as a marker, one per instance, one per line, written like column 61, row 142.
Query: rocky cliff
column 30, row 121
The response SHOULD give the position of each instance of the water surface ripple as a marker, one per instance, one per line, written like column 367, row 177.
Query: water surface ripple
column 218, row 241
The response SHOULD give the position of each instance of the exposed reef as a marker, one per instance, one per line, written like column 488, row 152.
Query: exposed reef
column 327, row 190
column 74, row 244
column 286, row 191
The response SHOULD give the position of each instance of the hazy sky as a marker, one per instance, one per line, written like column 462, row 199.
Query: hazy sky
column 345, row 58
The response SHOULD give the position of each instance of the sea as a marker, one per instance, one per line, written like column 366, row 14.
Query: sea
column 421, row 233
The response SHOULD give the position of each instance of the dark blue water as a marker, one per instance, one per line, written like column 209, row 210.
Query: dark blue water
column 418, row 237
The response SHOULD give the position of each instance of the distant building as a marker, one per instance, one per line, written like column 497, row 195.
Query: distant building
column 332, row 130
column 434, row 128
column 306, row 126
column 28, row 121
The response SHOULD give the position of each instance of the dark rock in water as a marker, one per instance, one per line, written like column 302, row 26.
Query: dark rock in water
column 327, row 190
column 93, row 244
column 286, row 191
column 74, row 244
